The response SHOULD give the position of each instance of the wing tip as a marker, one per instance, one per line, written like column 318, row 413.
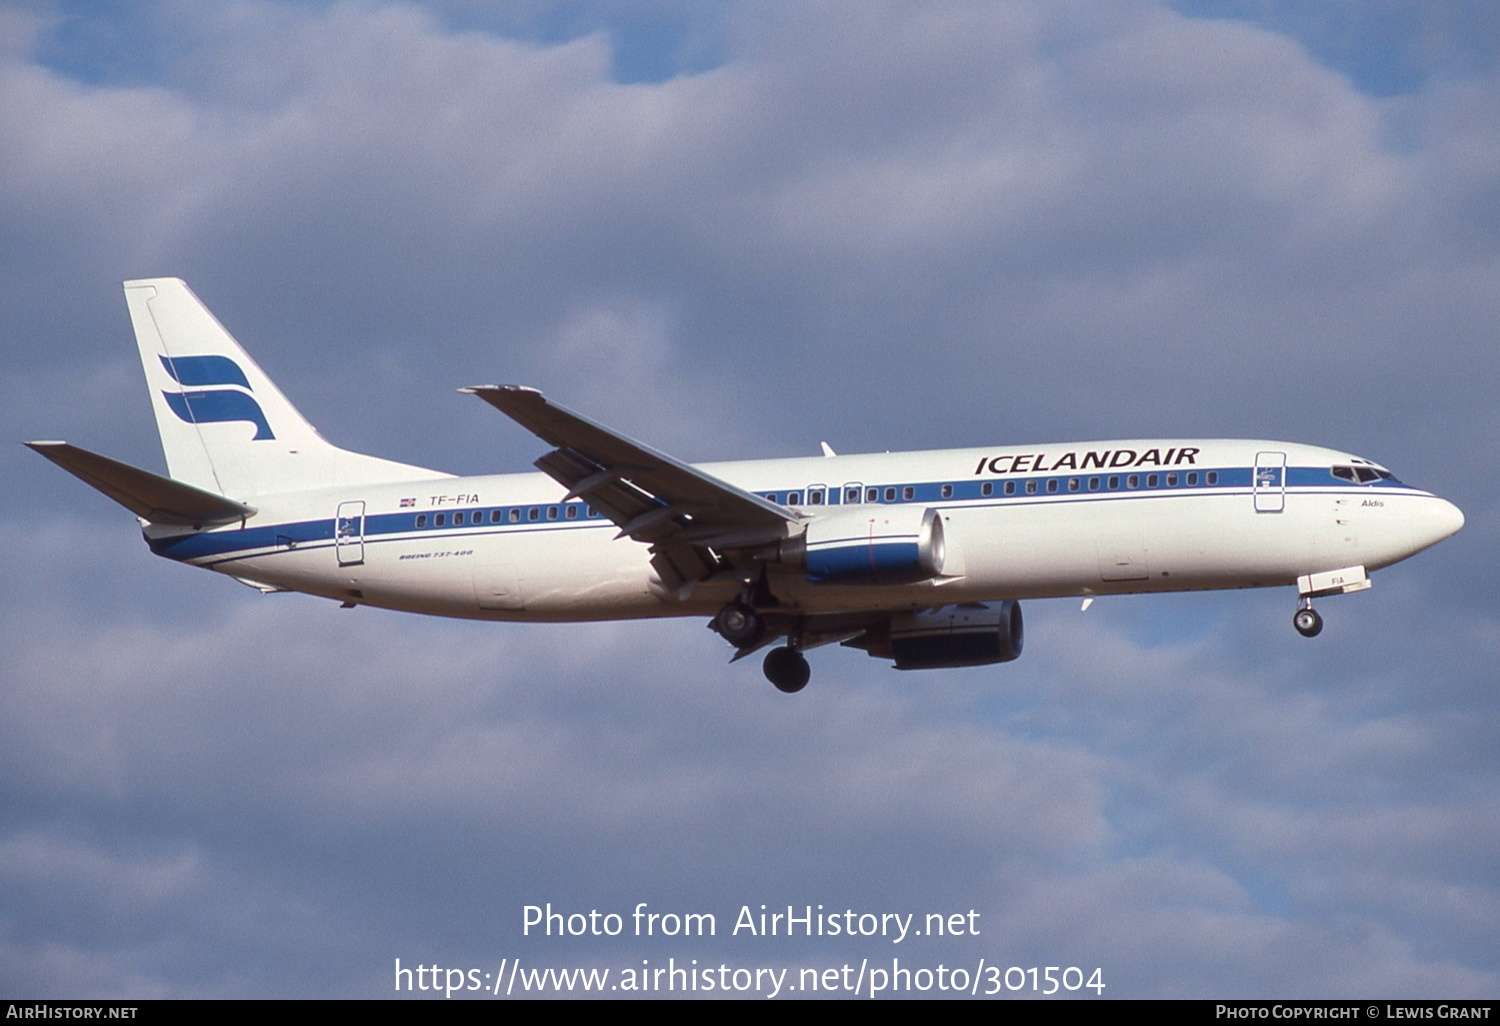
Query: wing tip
column 505, row 395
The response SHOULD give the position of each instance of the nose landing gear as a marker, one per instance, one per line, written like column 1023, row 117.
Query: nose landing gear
column 1307, row 621
column 1328, row 582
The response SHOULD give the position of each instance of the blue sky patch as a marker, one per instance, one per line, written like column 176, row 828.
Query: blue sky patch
column 1384, row 47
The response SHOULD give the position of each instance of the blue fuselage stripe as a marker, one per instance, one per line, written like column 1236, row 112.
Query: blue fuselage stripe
column 226, row 544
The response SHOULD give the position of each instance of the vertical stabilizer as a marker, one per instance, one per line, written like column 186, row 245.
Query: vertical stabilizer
column 225, row 426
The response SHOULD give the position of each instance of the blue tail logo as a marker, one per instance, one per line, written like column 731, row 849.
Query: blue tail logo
column 202, row 404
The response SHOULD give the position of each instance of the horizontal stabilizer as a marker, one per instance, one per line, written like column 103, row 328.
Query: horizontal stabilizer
column 151, row 496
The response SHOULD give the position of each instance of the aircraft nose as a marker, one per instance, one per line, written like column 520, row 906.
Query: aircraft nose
column 1440, row 519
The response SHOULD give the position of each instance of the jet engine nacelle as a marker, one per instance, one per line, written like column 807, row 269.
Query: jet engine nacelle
column 870, row 545
column 967, row 635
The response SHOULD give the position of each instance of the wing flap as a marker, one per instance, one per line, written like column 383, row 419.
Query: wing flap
column 158, row 499
column 677, row 509
column 606, row 491
column 618, row 459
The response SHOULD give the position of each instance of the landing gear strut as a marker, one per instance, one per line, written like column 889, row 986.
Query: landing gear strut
column 1306, row 619
column 787, row 669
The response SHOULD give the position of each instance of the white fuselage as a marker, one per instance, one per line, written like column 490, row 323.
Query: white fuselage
column 1039, row 521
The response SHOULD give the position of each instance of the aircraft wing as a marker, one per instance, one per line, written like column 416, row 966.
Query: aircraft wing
column 158, row 499
column 681, row 512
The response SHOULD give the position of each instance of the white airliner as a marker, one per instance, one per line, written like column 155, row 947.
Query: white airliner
column 919, row 558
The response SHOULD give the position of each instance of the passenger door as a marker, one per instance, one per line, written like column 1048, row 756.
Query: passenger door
column 349, row 533
column 1269, row 482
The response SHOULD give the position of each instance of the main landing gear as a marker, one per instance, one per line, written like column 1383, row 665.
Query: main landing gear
column 1306, row 619
column 787, row 669
column 739, row 624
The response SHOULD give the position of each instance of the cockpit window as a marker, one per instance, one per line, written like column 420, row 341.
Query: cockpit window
column 1362, row 474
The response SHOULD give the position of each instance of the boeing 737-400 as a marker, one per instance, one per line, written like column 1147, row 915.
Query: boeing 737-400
column 919, row 558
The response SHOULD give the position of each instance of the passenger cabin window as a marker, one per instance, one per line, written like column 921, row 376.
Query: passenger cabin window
column 458, row 520
column 794, row 498
column 987, row 489
column 1171, row 480
column 551, row 512
column 1151, row 480
column 1192, row 477
column 1072, row 484
column 908, row 492
column 572, row 512
column 815, row 496
column 1093, row 484
column 1052, row 485
column 495, row 516
column 534, row 513
column 1133, row 481
column 1114, row 481
column 890, row 495
column 1212, row 477
column 421, row 519
column 515, row 516
column 947, row 491
column 1030, row 487
column 1010, row 488
column 440, row 520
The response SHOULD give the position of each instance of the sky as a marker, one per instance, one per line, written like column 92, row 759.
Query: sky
column 734, row 230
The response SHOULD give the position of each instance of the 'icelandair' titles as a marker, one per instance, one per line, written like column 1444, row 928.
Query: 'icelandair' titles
column 1109, row 459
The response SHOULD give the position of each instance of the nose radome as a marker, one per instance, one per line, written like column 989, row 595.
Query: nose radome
column 1442, row 520
column 1453, row 518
